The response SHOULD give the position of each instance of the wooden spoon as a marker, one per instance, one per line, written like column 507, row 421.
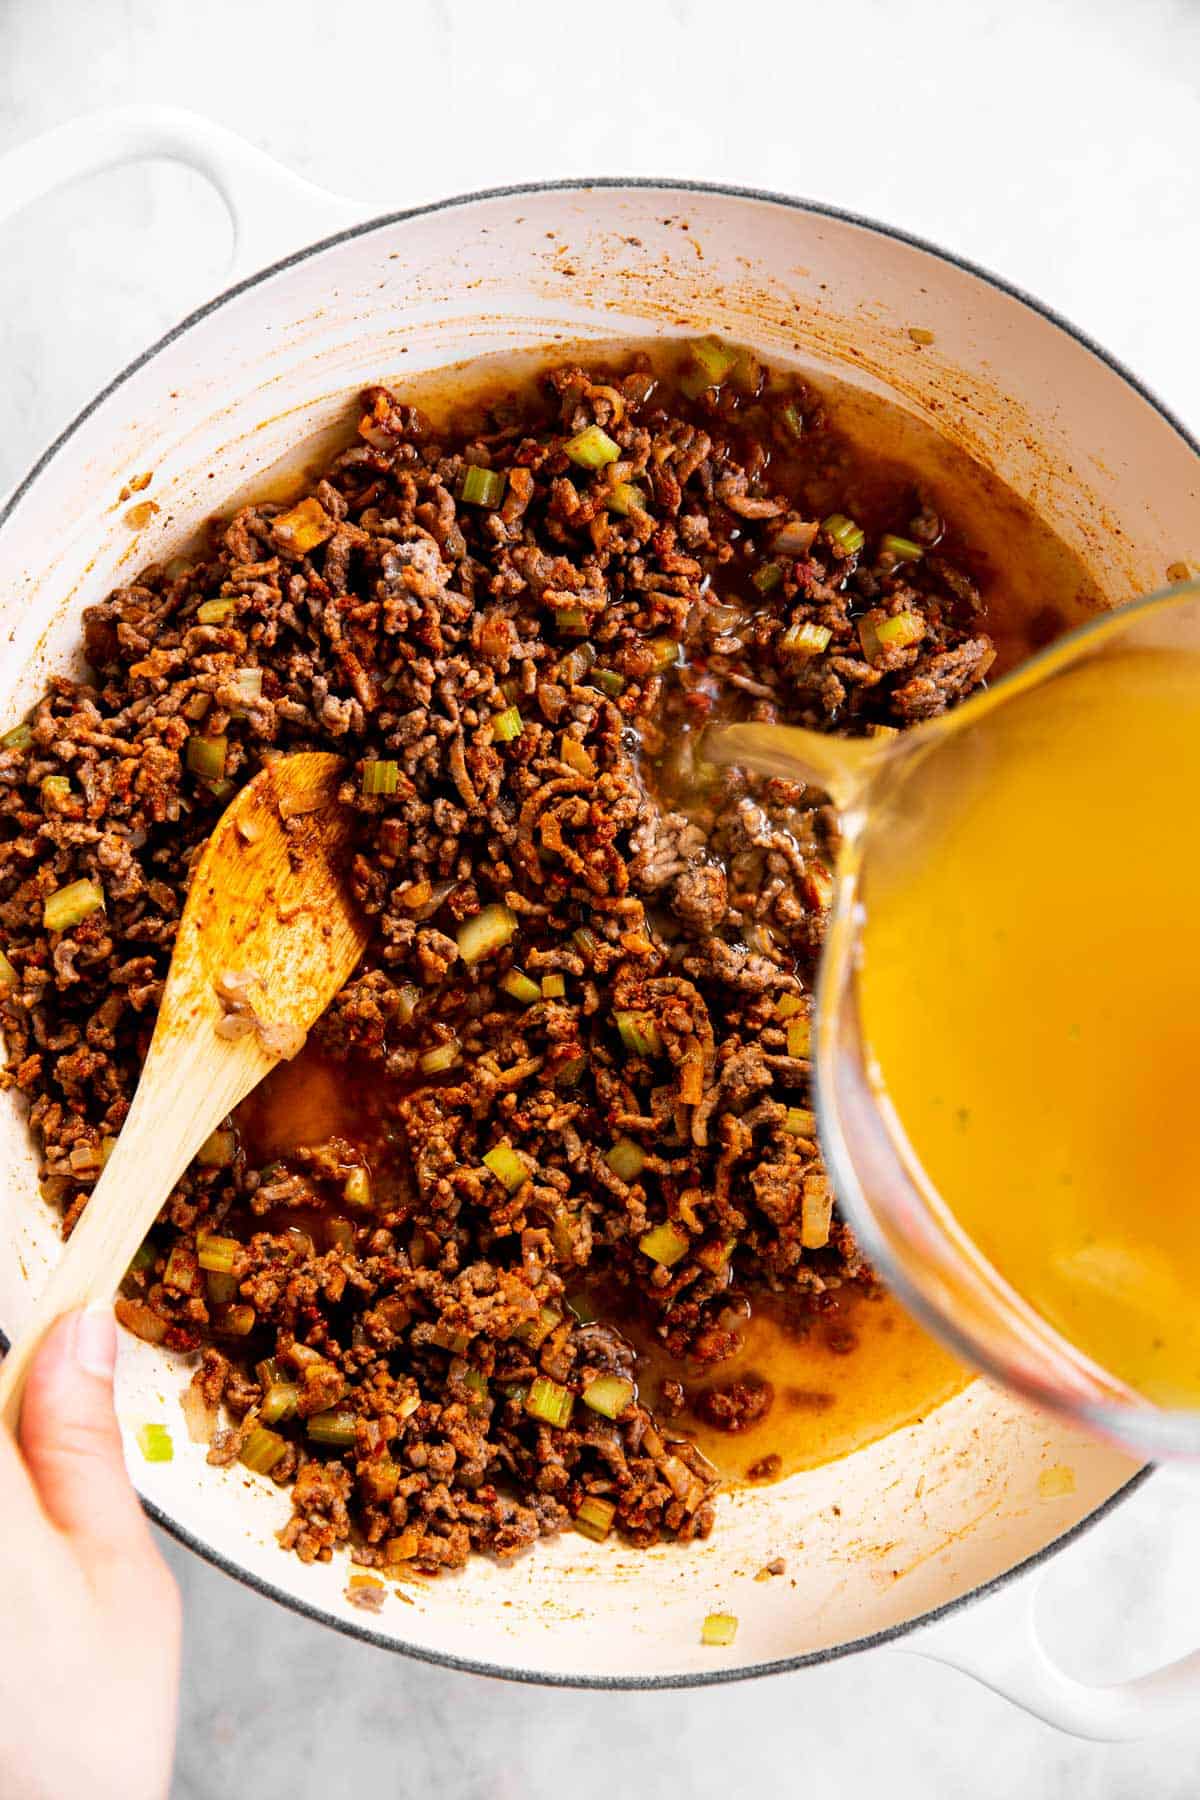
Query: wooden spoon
column 267, row 900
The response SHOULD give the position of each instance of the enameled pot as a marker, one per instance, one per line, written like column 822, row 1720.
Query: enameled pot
column 945, row 1509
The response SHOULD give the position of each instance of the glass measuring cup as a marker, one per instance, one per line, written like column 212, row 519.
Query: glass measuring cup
column 907, row 1228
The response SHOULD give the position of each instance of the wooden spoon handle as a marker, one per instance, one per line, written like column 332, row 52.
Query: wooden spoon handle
column 175, row 1108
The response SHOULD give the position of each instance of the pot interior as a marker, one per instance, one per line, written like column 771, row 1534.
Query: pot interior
column 982, row 1483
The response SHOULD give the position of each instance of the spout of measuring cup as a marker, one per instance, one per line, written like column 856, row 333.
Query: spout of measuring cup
column 843, row 767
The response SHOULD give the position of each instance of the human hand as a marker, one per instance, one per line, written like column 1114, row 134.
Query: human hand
column 89, row 1650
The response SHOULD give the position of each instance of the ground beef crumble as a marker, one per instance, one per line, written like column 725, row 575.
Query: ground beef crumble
column 612, row 613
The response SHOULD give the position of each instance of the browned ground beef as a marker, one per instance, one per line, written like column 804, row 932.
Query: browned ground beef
column 393, row 620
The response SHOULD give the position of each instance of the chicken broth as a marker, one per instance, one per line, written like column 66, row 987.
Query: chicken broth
column 1040, row 1051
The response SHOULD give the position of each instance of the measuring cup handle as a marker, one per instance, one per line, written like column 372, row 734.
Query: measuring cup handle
column 997, row 1643
column 273, row 211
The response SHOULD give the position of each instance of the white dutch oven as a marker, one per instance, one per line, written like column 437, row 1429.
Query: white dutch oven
column 900, row 1532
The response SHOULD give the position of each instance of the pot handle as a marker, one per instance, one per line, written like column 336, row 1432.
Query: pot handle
column 998, row 1644
column 273, row 211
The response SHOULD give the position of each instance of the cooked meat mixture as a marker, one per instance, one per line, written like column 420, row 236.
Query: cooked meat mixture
column 581, row 1025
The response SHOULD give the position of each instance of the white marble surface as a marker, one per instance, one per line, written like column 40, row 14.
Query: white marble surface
column 1054, row 140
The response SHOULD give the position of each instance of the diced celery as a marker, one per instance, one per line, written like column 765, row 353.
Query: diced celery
column 335, row 1427
column 767, row 576
column 506, row 1166
column 220, row 1288
column 477, row 1382
column 594, row 1518
column 626, row 1159
column 520, row 987
column 206, row 756
column 262, row 1450
column 624, row 497
column 217, row 1253
column 538, row 1330
column 591, row 448
column 483, row 487
column 55, row 789
column 571, row 620
column 8, row 975
column 900, row 549
column 68, row 906
column 665, row 652
column 486, row 933
column 806, row 641
column 719, row 1630
column 800, row 1122
column 380, row 778
column 711, row 362
column 639, row 1033
column 896, row 632
column 549, row 1401
column 553, row 987
column 280, row 1401
column 19, row 738
column 506, row 725
column 799, row 1038
column 844, row 532
column 154, row 1442
column 788, row 1005
column 609, row 682
column 608, row 1395
column 442, row 1056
